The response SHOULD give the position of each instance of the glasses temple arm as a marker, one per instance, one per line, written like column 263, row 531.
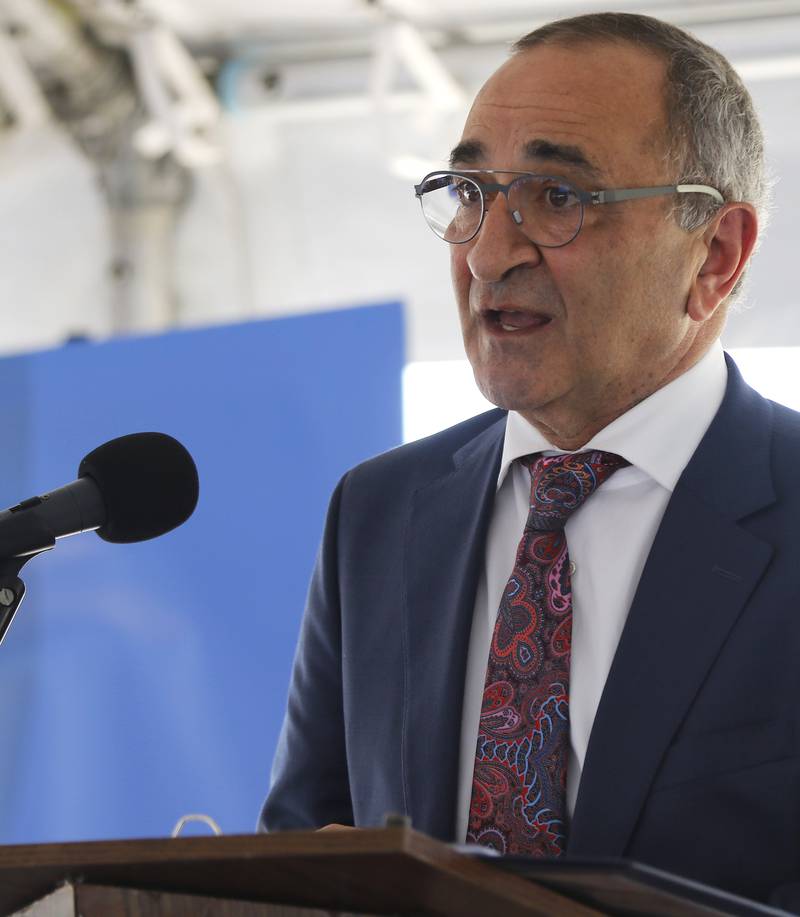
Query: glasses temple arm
column 612, row 195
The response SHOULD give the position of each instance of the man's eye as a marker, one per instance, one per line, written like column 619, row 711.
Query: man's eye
column 560, row 197
column 467, row 192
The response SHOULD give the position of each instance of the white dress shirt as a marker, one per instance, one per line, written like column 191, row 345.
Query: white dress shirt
column 608, row 539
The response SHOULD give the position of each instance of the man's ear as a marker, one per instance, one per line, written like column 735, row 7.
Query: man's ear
column 728, row 241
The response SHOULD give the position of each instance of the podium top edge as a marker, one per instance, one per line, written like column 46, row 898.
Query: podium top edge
column 229, row 846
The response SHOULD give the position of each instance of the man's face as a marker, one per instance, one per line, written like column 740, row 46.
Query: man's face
column 571, row 337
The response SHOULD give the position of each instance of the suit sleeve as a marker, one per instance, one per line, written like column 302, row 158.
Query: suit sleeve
column 310, row 785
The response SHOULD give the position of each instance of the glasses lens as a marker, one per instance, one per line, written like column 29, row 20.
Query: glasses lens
column 452, row 205
column 547, row 210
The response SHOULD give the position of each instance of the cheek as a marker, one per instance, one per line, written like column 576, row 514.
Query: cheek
column 600, row 304
column 461, row 276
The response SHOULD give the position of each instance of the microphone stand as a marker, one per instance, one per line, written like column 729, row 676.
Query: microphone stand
column 12, row 591
column 30, row 538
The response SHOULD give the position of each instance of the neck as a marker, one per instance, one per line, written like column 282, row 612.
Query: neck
column 570, row 428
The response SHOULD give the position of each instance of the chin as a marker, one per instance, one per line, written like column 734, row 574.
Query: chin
column 508, row 396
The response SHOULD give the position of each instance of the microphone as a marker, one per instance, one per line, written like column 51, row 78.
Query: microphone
column 130, row 489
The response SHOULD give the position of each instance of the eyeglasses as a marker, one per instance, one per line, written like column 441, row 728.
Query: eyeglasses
column 547, row 209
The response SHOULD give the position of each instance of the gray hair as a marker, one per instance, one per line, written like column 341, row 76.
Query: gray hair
column 713, row 134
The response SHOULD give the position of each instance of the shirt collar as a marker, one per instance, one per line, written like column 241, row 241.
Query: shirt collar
column 658, row 435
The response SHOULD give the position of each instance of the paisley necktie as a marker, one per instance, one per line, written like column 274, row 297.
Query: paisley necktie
column 519, row 783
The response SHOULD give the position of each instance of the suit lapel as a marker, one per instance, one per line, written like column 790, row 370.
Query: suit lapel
column 700, row 572
column 444, row 547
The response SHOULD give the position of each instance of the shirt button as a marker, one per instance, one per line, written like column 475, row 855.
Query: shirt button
column 572, row 567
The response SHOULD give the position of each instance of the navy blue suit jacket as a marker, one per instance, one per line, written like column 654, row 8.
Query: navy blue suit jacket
column 692, row 763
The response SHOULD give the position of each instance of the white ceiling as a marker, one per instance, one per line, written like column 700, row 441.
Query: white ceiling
column 273, row 21
column 210, row 18
column 247, row 243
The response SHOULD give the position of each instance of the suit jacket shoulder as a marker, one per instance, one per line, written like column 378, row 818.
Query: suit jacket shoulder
column 417, row 462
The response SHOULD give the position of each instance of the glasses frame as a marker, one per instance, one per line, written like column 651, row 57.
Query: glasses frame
column 601, row 196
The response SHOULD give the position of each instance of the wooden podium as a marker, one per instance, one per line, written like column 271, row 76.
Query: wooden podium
column 292, row 874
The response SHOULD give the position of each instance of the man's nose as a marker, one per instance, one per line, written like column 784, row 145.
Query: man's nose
column 501, row 245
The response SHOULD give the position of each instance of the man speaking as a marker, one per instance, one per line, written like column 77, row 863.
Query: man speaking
column 571, row 626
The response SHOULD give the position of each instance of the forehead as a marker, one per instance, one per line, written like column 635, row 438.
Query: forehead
column 601, row 102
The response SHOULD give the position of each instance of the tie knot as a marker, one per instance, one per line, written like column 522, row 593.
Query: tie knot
column 560, row 484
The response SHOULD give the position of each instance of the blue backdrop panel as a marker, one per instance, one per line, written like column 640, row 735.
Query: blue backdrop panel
column 141, row 682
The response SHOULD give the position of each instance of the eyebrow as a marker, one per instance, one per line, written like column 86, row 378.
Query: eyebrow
column 473, row 152
column 467, row 153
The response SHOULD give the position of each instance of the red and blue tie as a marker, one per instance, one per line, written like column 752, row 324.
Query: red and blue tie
column 518, row 803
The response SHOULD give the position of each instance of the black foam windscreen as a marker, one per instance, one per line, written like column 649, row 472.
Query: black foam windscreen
column 148, row 482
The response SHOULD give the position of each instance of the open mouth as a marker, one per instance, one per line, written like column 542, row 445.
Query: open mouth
column 514, row 320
